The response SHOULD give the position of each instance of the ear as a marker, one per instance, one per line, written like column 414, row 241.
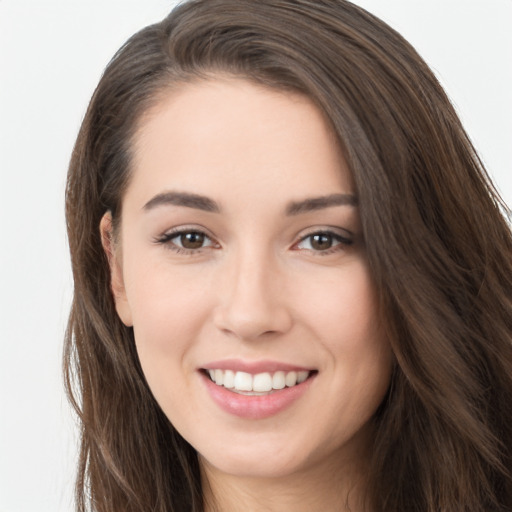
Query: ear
column 116, row 269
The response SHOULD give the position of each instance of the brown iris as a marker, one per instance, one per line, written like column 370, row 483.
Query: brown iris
column 192, row 240
column 321, row 241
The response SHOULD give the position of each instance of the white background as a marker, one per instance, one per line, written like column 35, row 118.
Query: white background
column 51, row 56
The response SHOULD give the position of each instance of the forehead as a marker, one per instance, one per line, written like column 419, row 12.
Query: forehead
column 238, row 133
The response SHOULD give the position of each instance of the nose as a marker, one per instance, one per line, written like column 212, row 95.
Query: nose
column 253, row 301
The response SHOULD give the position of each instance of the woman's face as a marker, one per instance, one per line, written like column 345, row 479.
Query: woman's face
column 240, row 258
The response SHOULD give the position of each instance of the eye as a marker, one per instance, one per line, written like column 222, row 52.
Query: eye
column 191, row 240
column 323, row 242
column 186, row 240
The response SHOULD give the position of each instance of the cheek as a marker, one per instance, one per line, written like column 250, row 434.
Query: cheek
column 343, row 308
column 345, row 320
column 166, row 303
column 168, row 315
column 357, row 338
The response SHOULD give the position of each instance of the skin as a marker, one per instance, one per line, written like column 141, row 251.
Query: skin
column 257, row 289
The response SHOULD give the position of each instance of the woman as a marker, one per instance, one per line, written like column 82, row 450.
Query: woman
column 292, row 274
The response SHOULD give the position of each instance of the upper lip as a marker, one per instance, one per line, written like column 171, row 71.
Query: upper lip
column 253, row 367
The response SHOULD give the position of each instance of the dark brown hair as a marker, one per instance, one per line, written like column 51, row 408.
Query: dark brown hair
column 438, row 246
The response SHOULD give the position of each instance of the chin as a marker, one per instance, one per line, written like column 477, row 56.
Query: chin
column 269, row 456
column 255, row 465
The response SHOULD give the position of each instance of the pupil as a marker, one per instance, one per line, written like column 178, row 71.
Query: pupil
column 321, row 242
column 192, row 240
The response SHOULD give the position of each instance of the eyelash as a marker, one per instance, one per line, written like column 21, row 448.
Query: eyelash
column 167, row 240
column 343, row 242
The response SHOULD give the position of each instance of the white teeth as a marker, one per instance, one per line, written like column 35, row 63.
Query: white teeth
column 279, row 380
column 261, row 382
column 219, row 377
column 243, row 381
column 302, row 376
column 290, row 379
column 229, row 379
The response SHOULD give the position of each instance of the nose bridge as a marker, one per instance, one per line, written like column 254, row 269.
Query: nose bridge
column 254, row 278
column 251, row 298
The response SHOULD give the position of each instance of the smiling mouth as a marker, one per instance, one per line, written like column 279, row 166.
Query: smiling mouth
column 259, row 384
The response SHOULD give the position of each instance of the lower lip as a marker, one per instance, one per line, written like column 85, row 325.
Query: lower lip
column 255, row 407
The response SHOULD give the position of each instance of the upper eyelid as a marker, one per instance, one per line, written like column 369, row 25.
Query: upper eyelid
column 337, row 231
column 178, row 230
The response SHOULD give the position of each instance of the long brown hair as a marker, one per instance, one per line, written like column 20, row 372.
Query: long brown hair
column 437, row 239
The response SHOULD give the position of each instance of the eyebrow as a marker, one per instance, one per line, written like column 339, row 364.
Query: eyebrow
column 319, row 203
column 183, row 199
column 206, row 204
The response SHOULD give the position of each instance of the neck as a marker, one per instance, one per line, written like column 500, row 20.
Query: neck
column 328, row 487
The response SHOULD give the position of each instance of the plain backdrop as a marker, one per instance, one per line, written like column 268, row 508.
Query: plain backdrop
column 52, row 54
